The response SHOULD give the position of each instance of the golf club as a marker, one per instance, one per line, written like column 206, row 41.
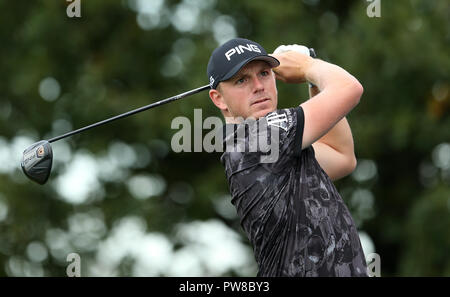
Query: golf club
column 38, row 158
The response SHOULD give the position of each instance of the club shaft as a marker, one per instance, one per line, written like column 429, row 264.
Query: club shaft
column 131, row 112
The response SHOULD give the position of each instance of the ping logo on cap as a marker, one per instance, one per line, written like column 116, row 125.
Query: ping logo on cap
column 240, row 50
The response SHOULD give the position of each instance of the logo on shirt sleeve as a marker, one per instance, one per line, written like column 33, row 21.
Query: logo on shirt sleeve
column 277, row 120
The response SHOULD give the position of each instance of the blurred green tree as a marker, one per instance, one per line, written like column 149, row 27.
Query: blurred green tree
column 60, row 73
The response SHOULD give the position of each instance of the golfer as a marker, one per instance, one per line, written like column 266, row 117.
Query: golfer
column 289, row 208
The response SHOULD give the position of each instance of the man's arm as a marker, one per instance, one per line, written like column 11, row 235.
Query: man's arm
column 325, row 124
column 335, row 150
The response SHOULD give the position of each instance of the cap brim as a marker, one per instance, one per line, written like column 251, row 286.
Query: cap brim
column 273, row 62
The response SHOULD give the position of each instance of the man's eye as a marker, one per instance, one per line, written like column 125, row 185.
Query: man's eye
column 265, row 73
column 240, row 81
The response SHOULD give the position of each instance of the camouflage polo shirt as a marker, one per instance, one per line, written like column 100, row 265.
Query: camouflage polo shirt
column 289, row 208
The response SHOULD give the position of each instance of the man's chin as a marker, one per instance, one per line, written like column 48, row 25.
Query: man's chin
column 261, row 113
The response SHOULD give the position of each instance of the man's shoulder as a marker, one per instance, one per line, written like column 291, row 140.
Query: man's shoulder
column 280, row 118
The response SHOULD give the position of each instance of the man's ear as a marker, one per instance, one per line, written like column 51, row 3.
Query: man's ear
column 217, row 99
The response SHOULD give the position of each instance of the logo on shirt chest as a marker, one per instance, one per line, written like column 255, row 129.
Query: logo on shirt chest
column 278, row 120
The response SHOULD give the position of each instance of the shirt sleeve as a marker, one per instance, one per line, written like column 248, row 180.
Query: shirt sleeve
column 299, row 130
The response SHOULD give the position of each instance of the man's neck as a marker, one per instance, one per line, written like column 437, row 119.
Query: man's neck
column 233, row 120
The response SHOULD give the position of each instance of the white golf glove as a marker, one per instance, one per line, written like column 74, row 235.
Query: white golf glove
column 292, row 47
column 296, row 48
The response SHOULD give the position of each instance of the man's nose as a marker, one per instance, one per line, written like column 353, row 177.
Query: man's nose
column 257, row 84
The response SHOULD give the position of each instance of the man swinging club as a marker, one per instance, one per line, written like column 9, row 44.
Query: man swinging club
column 290, row 209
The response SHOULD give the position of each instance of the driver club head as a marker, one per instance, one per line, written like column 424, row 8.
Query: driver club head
column 37, row 161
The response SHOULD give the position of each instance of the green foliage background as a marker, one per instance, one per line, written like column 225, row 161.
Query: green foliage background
column 105, row 63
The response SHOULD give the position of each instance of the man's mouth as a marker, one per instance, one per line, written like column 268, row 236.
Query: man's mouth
column 260, row 101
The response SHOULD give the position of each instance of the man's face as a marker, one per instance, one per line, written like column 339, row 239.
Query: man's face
column 251, row 92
